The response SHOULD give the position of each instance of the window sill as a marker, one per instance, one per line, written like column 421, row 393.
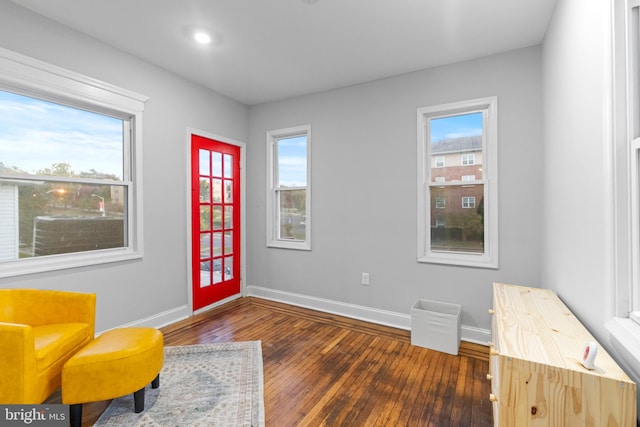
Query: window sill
column 625, row 339
column 65, row 261
column 478, row 261
column 283, row 244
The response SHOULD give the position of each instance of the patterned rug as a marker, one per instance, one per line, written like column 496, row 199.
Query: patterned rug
column 200, row 385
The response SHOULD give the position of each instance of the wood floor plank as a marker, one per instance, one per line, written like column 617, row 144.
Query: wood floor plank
column 389, row 387
column 324, row 369
column 460, row 412
column 362, row 386
column 373, row 391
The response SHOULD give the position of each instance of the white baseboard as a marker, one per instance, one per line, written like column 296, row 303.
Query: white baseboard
column 217, row 304
column 475, row 335
column 170, row 316
column 158, row 320
column 368, row 314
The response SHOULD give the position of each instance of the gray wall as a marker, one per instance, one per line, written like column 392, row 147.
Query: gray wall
column 364, row 181
column 583, row 260
column 578, row 227
column 555, row 221
column 364, row 188
column 127, row 292
column 577, row 211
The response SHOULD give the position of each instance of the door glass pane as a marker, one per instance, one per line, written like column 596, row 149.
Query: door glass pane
column 228, row 191
column 205, row 245
column 216, row 191
column 216, row 164
column 228, row 242
column 217, row 244
column 228, row 171
column 217, row 270
column 217, row 217
column 205, row 218
column 228, row 268
column 292, row 210
column 205, row 273
column 228, row 218
column 457, row 226
column 205, row 193
column 204, row 162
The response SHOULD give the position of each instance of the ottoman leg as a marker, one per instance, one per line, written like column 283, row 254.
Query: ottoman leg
column 156, row 382
column 138, row 400
column 75, row 413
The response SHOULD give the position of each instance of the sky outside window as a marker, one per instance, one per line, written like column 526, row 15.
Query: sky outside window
column 292, row 161
column 456, row 126
column 35, row 134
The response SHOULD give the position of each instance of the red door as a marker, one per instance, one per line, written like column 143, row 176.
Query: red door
column 215, row 222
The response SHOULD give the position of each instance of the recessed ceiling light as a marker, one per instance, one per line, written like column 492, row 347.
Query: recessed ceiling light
column 202, row 37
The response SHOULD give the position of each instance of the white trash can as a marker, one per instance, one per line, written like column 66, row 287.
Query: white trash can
column 436, row 325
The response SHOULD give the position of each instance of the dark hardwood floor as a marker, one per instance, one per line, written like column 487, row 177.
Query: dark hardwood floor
column 325, row 370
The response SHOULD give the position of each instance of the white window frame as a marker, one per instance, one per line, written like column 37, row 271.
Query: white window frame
column 273, row 218
column 489, row 259
column 440, row 203
column 439, row 162
column 467, row 178
column 28, row 76
column 624, row 324
column 633, row 150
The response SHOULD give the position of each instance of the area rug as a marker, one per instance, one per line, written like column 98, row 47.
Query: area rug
column 200, row 385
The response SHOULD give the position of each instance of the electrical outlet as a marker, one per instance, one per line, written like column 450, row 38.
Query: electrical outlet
column 365, row 279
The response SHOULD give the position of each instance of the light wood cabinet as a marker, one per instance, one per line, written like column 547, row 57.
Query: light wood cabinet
column 536, row 374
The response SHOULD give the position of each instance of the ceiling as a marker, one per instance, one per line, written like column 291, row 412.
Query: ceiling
column 268, row 50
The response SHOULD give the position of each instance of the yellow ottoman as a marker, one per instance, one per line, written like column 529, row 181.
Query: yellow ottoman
column 117, row 363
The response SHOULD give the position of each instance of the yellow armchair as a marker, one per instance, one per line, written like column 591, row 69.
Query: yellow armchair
column 39, row 331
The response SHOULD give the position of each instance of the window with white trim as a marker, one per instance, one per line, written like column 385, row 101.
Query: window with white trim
column 633, row 138
column 289, row 188
column 624, row 324
column 70, row 172
column 465, row 132
column 468, row 202
column 468, row 159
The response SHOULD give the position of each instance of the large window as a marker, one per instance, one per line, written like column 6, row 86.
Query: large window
column 458, row 140
column 624, row 326
column 289, row 185
column 69, row 173
column 633, row 151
